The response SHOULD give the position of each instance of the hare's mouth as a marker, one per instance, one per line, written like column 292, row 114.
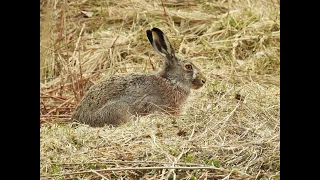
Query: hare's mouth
column 196, row 85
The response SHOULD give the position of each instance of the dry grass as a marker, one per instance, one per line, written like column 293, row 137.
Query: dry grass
column 231, row 126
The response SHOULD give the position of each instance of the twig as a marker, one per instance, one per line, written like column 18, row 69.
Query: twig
column 79, row 84
column 191, row 135
column 136, row 168
column 59, row 106
column 66, row 85
column 103, row 177
column 123, row 162
column 44, row 106
column 60, row 116
column 227, row 118
column 178, row 158
column 227, row 177
column 80, row 87
column 78, row 40
column 165, row 13
column 73, row 56
column 154, row 142
column 61, row 28
column 164, row 10
column 60, row 98
column 153, row 67
column 114, row 41
column 61, row 84
column 237, row 39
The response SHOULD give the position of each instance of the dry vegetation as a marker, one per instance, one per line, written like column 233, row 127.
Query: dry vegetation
column 231, row 126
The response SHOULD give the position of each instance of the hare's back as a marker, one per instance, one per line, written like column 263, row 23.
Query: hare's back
column 124, row 87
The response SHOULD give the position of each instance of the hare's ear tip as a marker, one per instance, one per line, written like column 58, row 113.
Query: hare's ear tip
column 149, row 35
column 157, row 30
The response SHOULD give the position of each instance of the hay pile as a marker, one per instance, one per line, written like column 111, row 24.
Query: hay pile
column 231, row 126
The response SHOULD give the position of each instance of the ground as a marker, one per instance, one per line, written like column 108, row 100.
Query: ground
column 229, row 129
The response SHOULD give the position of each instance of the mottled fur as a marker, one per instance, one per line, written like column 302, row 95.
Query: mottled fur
column 114, row 100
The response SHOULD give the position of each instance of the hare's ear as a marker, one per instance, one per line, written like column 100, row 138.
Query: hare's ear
column 160, row 42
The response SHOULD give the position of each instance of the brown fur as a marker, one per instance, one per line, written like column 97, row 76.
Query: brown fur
column 114, row 100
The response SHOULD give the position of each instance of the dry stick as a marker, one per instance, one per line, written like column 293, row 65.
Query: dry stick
column 227, row 177
column 122, row 162
column 153, row 67
column 111, row 48
column 49, row 78
column 154, row 142
column 204, row 174
column 79, row 84
column 227, row 118
column 163, row 170
column 192, row 133
column 237, row 39
column 179, row 157
column 137, row 168
column 114, row 41
column 80, row 68
column 73, row 56
column 164, row 9
column 72, row 107
column 175, row 161
column 61, row 27
column 65, row 85
column 53, row 97
column 103, row 177
column 59, row 106
column 165, row 13
column 57, row 49
column 61, row 115
column 61, row 86
column 44, row 106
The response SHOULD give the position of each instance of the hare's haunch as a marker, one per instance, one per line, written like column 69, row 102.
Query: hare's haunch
column 114, row 100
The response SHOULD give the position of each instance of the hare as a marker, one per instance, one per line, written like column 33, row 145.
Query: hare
column 115, row 100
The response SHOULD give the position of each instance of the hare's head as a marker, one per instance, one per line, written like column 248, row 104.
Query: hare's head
column 179, row 71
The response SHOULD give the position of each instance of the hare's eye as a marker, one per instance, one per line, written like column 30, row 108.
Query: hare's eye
column 188, row 66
